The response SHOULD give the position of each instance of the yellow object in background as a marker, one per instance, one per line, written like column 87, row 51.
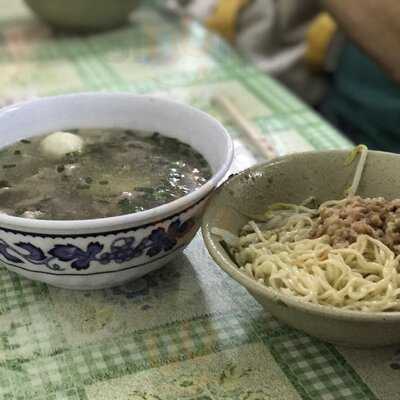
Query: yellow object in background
column 319, row 38
column 225, row 16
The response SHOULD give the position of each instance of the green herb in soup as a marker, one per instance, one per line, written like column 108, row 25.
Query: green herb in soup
column 95, row 173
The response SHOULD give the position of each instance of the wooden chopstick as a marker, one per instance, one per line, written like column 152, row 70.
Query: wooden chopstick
column 251, row 131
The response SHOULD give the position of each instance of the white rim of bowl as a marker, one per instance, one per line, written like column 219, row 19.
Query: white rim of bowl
column 107, row 223
column 226, row 264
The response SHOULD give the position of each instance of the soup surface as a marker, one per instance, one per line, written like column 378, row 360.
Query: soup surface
column 96, row 173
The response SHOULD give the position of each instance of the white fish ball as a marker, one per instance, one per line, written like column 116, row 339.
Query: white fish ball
column 58, row 144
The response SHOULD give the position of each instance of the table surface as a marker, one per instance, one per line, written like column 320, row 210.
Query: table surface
column 187, row 331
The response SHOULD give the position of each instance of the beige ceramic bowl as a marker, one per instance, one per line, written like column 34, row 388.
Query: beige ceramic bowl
column 83, row 15
column 292, row 179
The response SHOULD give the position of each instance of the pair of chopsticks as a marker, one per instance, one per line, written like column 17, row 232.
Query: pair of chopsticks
column 251, row 131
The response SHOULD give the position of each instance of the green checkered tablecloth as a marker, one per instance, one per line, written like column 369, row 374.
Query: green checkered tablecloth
column 186, row 331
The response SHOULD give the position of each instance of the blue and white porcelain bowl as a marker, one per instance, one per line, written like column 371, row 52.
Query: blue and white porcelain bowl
column 99, row 253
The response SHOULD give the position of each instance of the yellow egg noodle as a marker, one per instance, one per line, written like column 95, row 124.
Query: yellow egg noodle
column 279, row 253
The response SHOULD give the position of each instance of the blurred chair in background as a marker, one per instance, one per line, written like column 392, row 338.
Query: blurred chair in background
column 272, row 34
column 319, row 56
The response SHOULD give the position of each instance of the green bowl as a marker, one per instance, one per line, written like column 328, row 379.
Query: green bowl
column 83, row 15
column 292, row 179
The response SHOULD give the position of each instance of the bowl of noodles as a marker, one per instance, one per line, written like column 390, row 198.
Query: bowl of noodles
column 315, row 238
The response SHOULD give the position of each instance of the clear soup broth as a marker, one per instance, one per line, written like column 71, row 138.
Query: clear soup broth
column 96, row 173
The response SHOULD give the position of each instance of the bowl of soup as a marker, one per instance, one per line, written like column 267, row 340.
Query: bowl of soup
column 97, row 189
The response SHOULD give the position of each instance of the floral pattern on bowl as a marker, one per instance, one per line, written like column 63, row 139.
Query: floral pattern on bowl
column 122, row 249
column 99, row 260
